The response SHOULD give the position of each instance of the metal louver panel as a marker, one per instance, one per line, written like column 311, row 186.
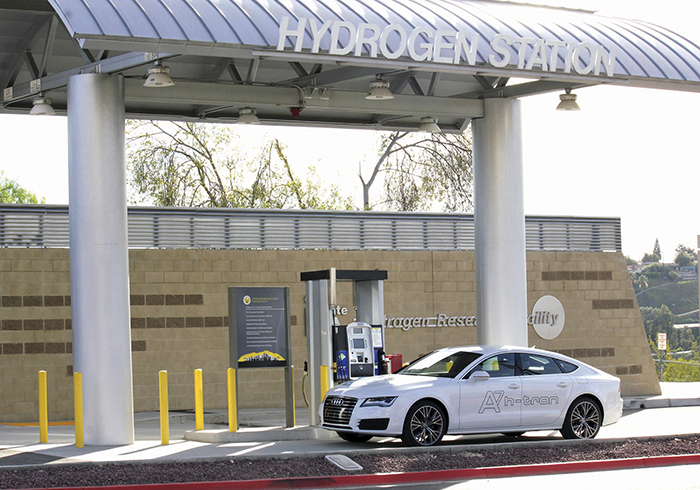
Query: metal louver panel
column 41, row 226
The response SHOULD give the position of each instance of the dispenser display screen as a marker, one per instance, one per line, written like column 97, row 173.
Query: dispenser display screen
column 358, row 343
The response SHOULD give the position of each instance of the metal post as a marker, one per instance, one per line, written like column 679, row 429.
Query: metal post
column 318, row 338
column 43, row 409
column 232, row 400
column 164, row 408
column 198, row 400
column 290, row 408
column 499, row 216
column 78, row 402
column 99, row 263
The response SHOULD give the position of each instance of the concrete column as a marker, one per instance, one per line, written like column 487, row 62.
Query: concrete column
column 99, row 263
column 501, row 284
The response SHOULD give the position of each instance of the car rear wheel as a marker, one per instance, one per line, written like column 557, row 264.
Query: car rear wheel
column 353, row 436
column 583, row 419
column 425, row 424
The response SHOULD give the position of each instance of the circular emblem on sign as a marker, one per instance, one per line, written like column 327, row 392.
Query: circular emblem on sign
column 548, row 317
column 246, row 300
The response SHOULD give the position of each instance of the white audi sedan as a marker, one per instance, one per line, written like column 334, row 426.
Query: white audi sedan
column 469, row 390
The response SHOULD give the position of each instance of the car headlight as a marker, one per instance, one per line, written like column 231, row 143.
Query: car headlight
column 379, row 401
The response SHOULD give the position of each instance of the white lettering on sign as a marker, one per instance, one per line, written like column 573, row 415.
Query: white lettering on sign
column 447, row 46
column 441, row 320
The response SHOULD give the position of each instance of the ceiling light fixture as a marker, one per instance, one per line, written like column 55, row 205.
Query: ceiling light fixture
column 41, row 106
column 429, row 125
column 158, row 76
column 568, row 101
column 247, row 115
column 379, row 90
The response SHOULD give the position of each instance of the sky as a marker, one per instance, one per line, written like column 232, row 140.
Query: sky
column 629, row 153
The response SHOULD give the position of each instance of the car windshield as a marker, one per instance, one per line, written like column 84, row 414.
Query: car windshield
column 440, row 364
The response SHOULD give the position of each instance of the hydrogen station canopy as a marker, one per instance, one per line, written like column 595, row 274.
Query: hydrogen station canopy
column 311, row 62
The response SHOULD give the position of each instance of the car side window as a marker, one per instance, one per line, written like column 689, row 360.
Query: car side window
column 566, row 367
column 498, row 366
column 535, row 364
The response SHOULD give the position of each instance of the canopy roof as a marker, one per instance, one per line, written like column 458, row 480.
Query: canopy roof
column 440, row 56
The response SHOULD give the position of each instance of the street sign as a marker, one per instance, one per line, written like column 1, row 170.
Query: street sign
column 661, row 341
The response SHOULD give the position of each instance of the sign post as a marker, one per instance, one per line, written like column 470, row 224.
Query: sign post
column 260, row 334
column 661, row 346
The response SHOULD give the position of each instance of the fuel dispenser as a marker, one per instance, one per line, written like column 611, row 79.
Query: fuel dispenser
column 338, row 352
column 357, row 351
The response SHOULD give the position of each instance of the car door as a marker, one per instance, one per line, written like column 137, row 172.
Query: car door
column 491, row 403
column 546, row 390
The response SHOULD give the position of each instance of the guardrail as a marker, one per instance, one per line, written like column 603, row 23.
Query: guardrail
column 42, row 226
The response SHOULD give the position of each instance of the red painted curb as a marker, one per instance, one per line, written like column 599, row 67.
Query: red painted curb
column 414, row 477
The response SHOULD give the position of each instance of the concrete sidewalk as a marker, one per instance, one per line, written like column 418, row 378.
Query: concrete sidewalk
column 672, row 395
column 262, row 434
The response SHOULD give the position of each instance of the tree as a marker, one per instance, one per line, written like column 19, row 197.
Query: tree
column 630, row 261
column 12, row 192
column 650, row 258
column 196, row 164
column 421, row 171
column 639, row 281
column 657, row 248
column 659, row 320
column 685, row 256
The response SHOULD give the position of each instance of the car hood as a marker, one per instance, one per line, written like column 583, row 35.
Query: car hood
column 387, row 385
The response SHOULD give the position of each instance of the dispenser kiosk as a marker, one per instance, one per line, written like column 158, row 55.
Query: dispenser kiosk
column 337, row 353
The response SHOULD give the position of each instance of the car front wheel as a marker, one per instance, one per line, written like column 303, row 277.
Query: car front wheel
column 425, row 424
column 353, row 436
column 583, row 420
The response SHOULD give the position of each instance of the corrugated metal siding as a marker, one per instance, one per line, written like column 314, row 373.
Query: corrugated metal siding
column 47, row 226
column 644, row 50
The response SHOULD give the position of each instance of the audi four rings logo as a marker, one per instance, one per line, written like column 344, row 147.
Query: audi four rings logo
column 337, row 402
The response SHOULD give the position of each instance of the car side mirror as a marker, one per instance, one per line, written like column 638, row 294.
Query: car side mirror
column 479, row 376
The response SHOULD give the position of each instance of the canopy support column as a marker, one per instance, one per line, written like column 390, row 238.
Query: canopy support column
column 499, row 216
column 99, row 262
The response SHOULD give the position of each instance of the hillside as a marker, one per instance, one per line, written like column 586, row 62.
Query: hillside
column 684, row 295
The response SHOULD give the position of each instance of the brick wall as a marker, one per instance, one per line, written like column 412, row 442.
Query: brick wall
column 179, row 311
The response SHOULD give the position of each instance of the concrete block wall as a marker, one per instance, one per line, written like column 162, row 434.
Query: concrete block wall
column 179, row 311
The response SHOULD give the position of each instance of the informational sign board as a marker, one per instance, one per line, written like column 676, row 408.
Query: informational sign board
column 661, row 341
column 259, row 322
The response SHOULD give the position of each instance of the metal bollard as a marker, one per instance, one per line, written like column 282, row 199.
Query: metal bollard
column 78, row 402
column 164, row 416
column 232, row 408
column 324, row 381
column 198, row 400
column 43, row 409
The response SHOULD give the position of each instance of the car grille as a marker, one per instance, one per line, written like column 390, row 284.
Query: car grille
column 337, row 410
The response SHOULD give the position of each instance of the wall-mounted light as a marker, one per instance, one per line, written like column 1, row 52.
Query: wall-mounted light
column 158, row 76
column 248, row 115
column 379, row 90
column 429, row 125
column 568, row 101
column 41, row 106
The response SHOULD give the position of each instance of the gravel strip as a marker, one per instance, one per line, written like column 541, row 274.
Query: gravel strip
column 455, row 457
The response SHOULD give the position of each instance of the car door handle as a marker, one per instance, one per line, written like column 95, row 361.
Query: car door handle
column 513, row 386
column 562, row 385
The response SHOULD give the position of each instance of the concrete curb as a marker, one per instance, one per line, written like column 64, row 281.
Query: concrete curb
column 416, row 477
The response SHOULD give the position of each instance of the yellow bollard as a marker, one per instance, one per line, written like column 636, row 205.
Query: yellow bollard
column 232, row 408
column 324, row 381
column 164, row 416
column 78, row 401
column 43, row 409
column 198, row 400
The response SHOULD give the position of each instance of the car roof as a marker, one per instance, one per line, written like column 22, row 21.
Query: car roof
column 492, row 349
